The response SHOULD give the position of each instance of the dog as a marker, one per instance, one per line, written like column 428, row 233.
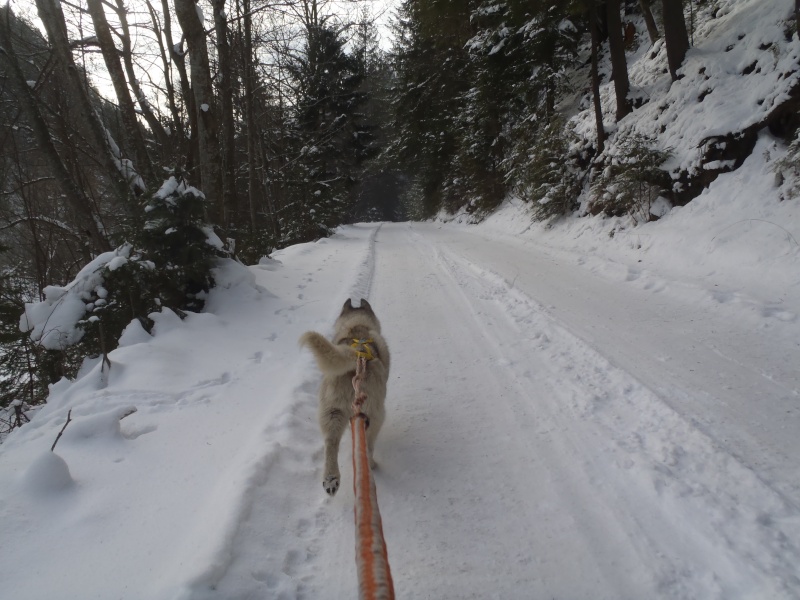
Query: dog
column 356, row 329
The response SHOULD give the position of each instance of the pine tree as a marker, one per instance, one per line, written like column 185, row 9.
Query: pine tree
column 377, row 193
column 542, row 171
column 329, row 134
column 181, row 245
column 633, row 180
column 18, row 358
column 432, row 81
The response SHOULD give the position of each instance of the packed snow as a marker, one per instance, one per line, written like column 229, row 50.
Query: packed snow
column 591, row 409
column 572, row 414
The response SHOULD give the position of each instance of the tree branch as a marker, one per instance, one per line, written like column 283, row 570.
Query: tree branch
column 58, row 437
column 58, row 225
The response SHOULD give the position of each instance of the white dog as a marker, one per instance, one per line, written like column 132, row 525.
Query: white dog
column 355, row 329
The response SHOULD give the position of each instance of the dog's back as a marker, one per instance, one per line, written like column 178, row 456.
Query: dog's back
column 356, row 329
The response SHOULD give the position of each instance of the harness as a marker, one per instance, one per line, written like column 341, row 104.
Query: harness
column 363, row 349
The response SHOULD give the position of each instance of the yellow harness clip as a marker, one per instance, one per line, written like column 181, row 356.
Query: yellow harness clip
column 362, row 348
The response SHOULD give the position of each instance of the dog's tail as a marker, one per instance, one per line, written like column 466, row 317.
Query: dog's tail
column 332, row 359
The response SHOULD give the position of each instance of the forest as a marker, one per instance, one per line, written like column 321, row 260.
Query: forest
column 140, row 141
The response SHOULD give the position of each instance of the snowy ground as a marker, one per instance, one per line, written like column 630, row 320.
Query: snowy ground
column 570, row 416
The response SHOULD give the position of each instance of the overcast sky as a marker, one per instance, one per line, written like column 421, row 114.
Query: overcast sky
column 382, row 10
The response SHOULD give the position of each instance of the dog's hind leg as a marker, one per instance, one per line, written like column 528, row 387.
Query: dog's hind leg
column 333, row 423
column 372, row 434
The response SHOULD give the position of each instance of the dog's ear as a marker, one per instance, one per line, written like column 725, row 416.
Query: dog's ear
column 366, row 306
column 348, row 306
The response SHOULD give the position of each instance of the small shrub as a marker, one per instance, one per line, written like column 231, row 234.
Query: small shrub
column 180, row 245
column 632, row 181
column 543, row 172
column 126, row 290
column 169, row 266
column 18, row 354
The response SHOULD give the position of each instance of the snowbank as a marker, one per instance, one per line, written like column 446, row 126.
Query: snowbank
column 736, row 234
column 741, row 67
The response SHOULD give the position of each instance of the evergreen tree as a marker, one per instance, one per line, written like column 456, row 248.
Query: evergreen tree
column 787, row 170
column 377, row 194
column 181, row 245
column 456, row 124
column 329, row 134
column 542, row 170
column 528, row 48
column 18, row 359
column 432, row 82
column 633, row 180
column 169, row 267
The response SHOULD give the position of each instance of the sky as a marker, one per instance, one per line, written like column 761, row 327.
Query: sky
column 381, row 9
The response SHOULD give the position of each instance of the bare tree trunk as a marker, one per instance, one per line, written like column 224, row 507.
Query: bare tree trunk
column 618, row 63
column 267, row 192
column 310, row 12
column 179, row 60
column 675, row 35
column 598, row 109
column 205, row 107
column 226, row 106
column 127, row 58
column 249, row 108
column 176, row 135
column 273, row 188
column 96, row 241
column 53, row 20
column 126, row 107
column 649, row 21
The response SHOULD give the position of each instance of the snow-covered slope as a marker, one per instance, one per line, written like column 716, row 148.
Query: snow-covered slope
column 738, row 77
column 737, row 235
column 571, row 415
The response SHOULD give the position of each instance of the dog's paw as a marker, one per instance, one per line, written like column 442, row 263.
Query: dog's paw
column 331, row 484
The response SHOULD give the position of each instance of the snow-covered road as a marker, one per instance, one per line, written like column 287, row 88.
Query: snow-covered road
column 552, row 433
column 559, row 426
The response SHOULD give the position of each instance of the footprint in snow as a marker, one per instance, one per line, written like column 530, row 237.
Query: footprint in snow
column 721, row 296
column 781, row 314
column 303, row 526
column 294, row 558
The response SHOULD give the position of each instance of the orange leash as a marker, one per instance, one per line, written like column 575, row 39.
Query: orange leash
column 372, row 562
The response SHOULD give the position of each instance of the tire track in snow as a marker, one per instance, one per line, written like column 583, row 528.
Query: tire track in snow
column 454, row 507
column 366, row 270
column 722, row 532
column 744, row 397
